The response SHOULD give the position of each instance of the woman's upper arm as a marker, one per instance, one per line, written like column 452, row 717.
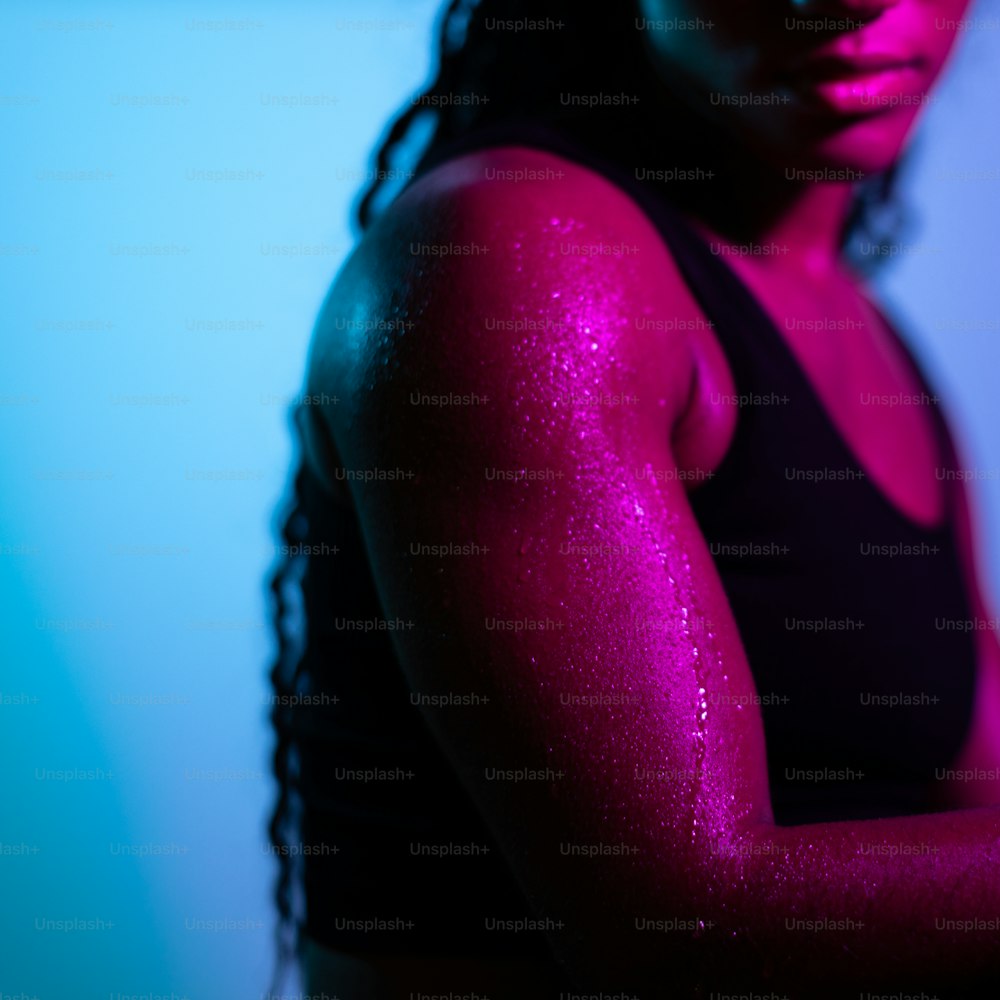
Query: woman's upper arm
column 504, row 422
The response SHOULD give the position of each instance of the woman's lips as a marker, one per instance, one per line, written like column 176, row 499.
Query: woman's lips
column 864, row 86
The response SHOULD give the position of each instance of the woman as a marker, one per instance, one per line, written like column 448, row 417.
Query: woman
column 645, row 653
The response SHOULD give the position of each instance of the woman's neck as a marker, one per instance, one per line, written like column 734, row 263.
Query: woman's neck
column 796, row 226
column 746, row 199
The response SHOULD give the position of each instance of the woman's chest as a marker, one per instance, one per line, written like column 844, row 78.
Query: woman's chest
column 840, row 350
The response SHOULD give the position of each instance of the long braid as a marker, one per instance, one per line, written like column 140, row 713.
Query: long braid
column 285, row 675
column 448, row 74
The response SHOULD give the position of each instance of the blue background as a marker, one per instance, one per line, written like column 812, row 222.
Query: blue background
column 137, row 531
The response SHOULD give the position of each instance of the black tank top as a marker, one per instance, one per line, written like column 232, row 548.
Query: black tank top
column 855, row 620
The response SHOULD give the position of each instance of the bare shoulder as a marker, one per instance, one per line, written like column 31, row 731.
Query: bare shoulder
column 510, row 271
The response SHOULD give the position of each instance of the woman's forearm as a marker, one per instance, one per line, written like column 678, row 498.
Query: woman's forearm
column 891, row 903
column 898, row 905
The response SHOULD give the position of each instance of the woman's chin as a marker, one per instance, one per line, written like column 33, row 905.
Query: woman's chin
column 869, row 145
column 846, row 151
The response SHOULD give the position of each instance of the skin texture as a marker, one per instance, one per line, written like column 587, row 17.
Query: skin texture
column 706, row 845
column 579, row 548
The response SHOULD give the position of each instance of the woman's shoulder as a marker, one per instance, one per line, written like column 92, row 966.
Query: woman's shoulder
column 488, row 192
column 507, row 170
column 501, row 250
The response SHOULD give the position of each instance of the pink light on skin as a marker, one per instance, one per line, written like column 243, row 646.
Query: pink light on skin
column 853, row 116
column 706, row 839
column 707, row 842
column 862, row 88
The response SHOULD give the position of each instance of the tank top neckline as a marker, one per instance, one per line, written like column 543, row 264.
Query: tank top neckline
column 763, row 321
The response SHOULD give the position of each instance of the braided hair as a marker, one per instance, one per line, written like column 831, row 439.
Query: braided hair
column 285, row 678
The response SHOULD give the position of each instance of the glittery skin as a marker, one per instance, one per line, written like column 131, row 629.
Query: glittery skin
column 618, row 665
